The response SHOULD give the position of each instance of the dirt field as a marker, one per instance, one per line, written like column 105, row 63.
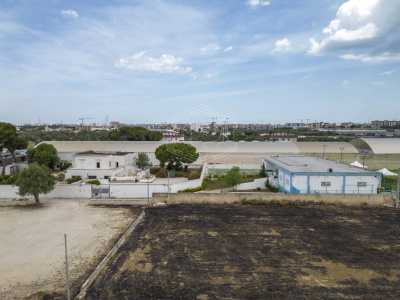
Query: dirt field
column 32, row 245
column 257, row 252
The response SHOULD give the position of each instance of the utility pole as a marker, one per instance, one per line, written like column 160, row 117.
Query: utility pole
column 341, row 154
column 66, row 267
column 148, row 191
column 168, row 189
column 323, row 152
column 398, row 189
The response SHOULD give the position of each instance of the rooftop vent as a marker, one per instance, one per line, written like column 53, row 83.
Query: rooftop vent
column 330, row 170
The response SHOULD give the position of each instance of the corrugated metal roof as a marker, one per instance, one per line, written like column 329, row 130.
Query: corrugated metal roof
column 207, row 147
column 378, row 145
column 202, row 147
column 331, row 147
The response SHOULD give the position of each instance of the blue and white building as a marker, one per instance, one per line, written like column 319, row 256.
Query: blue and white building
column 308, row 175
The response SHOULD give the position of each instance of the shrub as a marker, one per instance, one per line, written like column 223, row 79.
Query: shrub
column 136, row 180
column 12, row 179
column 64, row 166
column 154, row 170
column 96, row 182
column 162, row 173
column 193, row 190
column 179, row 174
column 60, row 177
column 195, row 174
column 185, row 168
column 73, row 179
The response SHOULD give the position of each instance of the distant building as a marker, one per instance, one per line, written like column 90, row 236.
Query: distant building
column 279, row 137
column 309, row 175
column 170, row 135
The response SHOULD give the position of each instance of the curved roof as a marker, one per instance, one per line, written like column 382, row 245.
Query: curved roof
column 331, row 147
column 207, row 147
column 378, row 145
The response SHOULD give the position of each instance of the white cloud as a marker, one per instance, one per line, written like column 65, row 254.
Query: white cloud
column 388, row 73
column 283, row 46
column 378, row 83
column 347, row 83
column 374, row 59
column 210, row 47
column 230, row 48
column 164, row 64
column 254, row 4
column 194, row 75
column 209, row 75
column 69, row 14
column 365, row 30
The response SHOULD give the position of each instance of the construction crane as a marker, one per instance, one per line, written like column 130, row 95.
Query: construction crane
column 82, row 119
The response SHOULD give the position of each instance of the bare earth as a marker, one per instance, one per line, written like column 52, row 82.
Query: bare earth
column 32, row 245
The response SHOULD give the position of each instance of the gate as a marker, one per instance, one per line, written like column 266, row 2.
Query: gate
column 101, row 191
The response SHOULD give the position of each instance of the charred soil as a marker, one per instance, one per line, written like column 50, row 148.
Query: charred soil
column 249, row 252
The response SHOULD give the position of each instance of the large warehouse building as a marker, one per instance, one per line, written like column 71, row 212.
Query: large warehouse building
column 305, row 175
column 210, row 152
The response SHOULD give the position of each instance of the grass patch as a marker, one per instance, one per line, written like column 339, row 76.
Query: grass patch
column 222, row 184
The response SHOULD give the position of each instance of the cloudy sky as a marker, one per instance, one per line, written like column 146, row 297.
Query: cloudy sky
column 148, row 61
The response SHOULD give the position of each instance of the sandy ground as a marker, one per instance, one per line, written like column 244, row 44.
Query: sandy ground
column 32, row 244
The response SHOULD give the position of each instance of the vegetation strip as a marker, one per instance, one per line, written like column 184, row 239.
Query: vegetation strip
column 109, row 255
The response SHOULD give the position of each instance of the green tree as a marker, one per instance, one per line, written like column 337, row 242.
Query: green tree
column 36, row 179
column 9, row 139
column 44, row 154
column 134, row 133
column 142, row 160
column 175, row 154
column 233, row 178
column 263, row 172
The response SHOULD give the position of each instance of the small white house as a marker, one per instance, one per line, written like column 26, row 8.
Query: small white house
column 102, row 165
column 308, row 175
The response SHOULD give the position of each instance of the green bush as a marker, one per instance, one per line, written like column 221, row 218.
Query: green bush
column 60, row 177
column 154, row 170
column 195, row 174
column 136, row 180
column 64, row 166
column 162, row 173
column 193, row 190
column 73, row 179
column 7, row 179
column 96, row 182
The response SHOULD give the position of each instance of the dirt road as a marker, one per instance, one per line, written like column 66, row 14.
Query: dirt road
column 32, row 245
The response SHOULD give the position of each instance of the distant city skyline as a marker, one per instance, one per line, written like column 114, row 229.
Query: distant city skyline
column 147, row 61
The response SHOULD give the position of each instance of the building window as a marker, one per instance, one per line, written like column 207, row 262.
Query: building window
column 361, row 184
column 109, row 164
column 106, row 177
column 116, row 164
column 325, row 183
column 287, row 181
column 92, row 177
column 280, row 177
column 98, row 165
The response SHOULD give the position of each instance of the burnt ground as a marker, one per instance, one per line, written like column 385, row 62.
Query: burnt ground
column 253, row 252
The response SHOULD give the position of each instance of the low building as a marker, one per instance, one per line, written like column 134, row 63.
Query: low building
column 279, row 137
column 102, row 165
column 308, row 175
column 170, row 135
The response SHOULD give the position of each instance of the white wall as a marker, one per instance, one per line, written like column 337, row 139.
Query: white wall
column 257, row 183
column 60, row 191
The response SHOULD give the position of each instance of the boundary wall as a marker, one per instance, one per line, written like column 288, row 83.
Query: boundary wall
column 260, row 198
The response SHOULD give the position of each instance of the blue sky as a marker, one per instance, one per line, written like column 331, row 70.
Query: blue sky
column 147, row 61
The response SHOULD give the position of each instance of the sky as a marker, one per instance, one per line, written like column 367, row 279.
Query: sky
column 151, row 61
